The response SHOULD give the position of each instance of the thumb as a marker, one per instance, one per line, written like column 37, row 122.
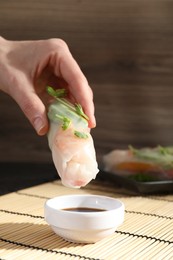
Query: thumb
column 33, row 108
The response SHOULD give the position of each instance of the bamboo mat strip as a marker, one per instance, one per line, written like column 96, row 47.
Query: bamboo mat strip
column 147, row 232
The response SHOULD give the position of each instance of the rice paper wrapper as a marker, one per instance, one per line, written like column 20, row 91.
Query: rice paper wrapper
column 73, row 157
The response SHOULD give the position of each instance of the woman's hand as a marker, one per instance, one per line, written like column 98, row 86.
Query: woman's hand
column 27, row 67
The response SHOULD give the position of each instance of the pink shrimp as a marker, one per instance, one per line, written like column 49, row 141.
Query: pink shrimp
column 74, row 157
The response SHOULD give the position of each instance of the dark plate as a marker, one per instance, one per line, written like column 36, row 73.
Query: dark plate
column 150, row 187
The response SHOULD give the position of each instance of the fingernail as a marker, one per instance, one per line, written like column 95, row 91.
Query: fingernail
column 92, row 124
column 39, row 125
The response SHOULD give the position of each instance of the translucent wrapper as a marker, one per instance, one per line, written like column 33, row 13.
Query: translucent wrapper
column 71, row 144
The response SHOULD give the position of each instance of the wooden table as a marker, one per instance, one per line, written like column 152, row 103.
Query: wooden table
column 125, row 48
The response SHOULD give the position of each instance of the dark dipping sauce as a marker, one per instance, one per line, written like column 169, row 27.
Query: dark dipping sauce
column 82, row 209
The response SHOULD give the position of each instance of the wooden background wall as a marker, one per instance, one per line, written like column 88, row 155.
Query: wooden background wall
column 125, row 48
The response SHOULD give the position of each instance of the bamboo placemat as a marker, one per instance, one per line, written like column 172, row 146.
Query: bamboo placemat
column 147, row 232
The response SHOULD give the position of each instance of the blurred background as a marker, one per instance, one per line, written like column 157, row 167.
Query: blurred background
column 125, row 49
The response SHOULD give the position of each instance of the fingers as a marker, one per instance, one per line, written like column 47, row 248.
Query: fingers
column 32, row 106
column 78, row 86
column 67, row 68
column 43, row 53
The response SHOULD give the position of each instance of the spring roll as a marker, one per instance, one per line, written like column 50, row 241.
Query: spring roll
column 145, row 164
column 70, row 141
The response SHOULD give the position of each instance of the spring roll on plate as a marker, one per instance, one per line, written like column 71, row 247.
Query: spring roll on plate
column 70, row 141
column 145, row 164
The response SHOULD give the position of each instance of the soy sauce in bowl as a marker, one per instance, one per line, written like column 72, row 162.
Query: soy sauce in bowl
column 84, row 218
column 84, row 209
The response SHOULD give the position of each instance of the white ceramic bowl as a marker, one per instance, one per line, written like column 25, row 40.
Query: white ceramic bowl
column 84, row 227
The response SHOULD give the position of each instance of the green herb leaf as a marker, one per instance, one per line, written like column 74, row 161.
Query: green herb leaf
column 142, row 177
column 66, row 121
column 61, row 93
column 62, row 110
column 158, row 155
column 58, row 93
column 80, row 111
column 51, row 91
column 165, row 150
column 80, row 134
